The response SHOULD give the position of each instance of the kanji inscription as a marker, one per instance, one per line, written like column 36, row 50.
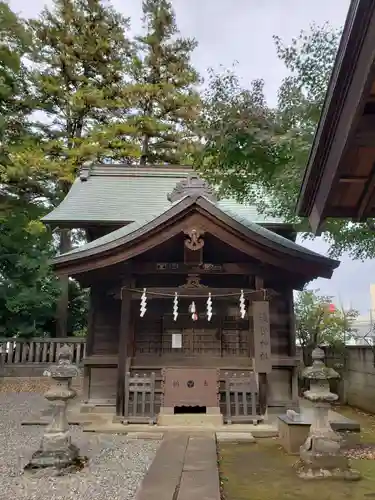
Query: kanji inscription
column 262, row 337
column 190, row 387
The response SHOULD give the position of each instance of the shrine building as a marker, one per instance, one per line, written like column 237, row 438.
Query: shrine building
column 191, row 297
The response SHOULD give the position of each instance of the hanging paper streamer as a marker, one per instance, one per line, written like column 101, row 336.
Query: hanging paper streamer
column 242, row 305
column 175, row 306
column 193, row 311
column 209, row 307
column 143, row 303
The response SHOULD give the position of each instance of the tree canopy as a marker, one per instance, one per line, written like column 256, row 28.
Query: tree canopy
column 258, row 153
column 163, row 86
column 75, row 87
column 319, row 322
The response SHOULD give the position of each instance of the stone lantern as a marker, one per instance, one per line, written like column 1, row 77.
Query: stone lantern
column 320, row 454
column 56, row 449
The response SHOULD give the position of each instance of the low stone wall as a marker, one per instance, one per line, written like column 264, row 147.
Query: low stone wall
column 24, row 370
column 357, row 385
column 34, row 384
column 359, row 378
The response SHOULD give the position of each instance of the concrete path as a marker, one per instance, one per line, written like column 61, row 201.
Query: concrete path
column 185, row 468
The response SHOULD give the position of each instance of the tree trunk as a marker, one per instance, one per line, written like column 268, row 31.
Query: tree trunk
column 307, row 361
column 145, row 150
column 307, row 355
column 63, row 302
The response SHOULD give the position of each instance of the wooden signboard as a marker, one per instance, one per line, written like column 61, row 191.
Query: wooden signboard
column 241, row 383
column 262, row 337
column 176, row 341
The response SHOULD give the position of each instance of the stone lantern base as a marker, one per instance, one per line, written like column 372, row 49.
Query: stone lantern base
column 332, row 468
column 321, row 457
column 58, row 459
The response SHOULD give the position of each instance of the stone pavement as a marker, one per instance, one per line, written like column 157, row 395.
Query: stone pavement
column 185, row 468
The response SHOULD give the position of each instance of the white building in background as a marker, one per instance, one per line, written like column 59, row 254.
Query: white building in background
column 364, row 325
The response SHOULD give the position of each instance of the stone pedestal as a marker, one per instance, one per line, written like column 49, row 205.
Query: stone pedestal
column 294, row 429
column 56, row 449
column 320, row 455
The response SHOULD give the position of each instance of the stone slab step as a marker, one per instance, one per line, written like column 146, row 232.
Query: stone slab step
column 190, row 420
column 155, row 436
column 201, row 454
column 199, row 485
column 235, row 437
column 185, row 468
column 258, row 431
column 74, row 418
column 163, row 477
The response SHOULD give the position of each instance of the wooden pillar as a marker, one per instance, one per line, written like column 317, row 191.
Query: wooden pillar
column 263, row 390
column 90, row 322
column 292, row 325
column 123, row 352
column 89, row 344
column 295, row 388
column 293, row 348
column 262, row 377
column 62, row 307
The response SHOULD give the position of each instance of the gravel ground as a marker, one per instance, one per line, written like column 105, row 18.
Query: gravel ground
column 115, row 469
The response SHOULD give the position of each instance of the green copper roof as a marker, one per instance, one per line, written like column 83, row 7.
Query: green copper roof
column 120, row 194
column 131, row 231
column 113, row 237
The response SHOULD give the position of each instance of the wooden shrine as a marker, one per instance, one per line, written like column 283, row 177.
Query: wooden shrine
column 191, row 309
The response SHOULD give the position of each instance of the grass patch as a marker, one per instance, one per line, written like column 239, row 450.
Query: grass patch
column 366, row 421
column 263, row 471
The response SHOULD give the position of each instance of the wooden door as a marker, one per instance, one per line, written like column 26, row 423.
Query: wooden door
column 188, row 340
column 201, row 341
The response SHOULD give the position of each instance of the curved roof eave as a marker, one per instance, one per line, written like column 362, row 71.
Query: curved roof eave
column 132, row 232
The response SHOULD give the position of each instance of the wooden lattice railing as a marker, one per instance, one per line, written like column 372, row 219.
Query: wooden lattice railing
column 140, row 399
column 39, row 350
column 241, row 399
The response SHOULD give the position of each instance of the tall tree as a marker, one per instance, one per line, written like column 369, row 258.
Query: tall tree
column 28, row 288
column 80, row 53
column 165, row 98
column 243, row 140
column 15, row 103
column 259, row 154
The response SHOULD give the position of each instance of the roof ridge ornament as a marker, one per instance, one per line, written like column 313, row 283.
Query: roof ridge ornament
column 190, row 186
column 85, row 170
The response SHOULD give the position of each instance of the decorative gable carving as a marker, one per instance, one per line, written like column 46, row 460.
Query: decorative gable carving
column 194, row 240
column 194, row 243
column 192, row 185
column 193, row 281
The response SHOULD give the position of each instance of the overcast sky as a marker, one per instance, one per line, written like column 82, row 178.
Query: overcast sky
column 241, row 31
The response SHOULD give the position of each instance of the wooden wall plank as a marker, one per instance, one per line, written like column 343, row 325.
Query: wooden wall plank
column 106, row 323
column 103, row 384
